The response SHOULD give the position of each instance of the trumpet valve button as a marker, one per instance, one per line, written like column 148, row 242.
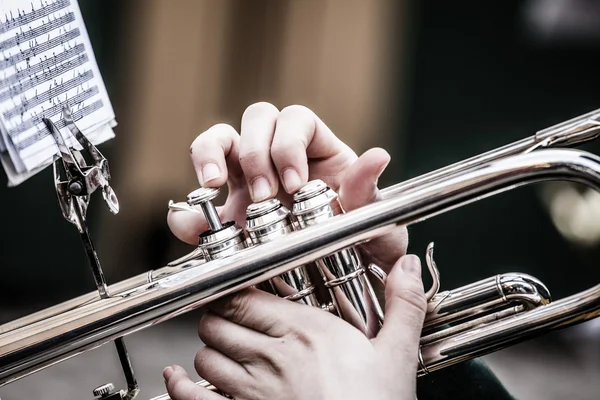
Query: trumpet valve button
column 264, row 207
column 315, row 202
column 310, row 190
column 203, row 197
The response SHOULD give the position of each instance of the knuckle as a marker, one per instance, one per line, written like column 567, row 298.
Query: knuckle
column 215, row 134
column 296, row 111
column 291, row 347
column 306, row 335
column 201, row 360
column 288, row 147
column 281, row 147
column 221, row 129
column 303, row 338
column 206, row 325
column 250, row 156
column 259, row 109
column 178, row 385
column 237, row 306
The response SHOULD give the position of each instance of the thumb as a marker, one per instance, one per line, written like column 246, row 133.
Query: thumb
column 359, row 184
column 405, row 307
column 359, row 188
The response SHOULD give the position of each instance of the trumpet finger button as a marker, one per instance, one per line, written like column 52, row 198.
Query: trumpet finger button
column 203, row 197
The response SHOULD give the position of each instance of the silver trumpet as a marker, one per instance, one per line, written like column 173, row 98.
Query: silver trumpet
column 308, row 253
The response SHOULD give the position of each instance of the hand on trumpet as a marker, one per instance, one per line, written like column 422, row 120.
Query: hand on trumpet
column 275, row 154
column 259, row 346
column 262, row 347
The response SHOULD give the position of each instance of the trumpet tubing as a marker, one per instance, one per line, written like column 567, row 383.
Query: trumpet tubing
column 285, row 250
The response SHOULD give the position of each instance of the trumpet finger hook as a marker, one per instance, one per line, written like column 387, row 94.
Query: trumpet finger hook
column 433, row 270
column 182, row 207
column 431, row 266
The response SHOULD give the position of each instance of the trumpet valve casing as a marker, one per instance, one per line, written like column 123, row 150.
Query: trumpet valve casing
column 343, row 272
column 221, row 239
column 267, row 221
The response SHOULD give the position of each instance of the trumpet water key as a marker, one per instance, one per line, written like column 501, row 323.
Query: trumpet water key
column 296, row 252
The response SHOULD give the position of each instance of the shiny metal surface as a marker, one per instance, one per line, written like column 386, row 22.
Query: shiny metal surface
column 75, row 181
column 485, row 295
column 268, row 221
column 482, row 317
column 196, row 254
column 74, row 195
column 343, row 272
column 42, row 343
column 222, row 243
column 203, row 197
column 569, row 133
column 103, row 390
column 222, row 239
column 182, row 207
column 132, row 385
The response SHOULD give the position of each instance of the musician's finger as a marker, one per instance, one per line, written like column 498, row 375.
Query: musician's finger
column 261, row 311
column 404, row 314
column 222, row 372
column 187, row 225
column 181, row 387
column 300, row 135
column 258, row 128
column 359, row 188
column 215, row 155
column 235, row 341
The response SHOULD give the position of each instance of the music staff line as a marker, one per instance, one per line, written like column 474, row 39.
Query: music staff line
column 38, row 80
column 48, row 95
column 42, row 65
column 43, row 132
column 37, row 32
column 52, row 111
column 39, row 48
column 27, row 18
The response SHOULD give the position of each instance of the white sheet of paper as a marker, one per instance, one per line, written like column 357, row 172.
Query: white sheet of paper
column 46, row 61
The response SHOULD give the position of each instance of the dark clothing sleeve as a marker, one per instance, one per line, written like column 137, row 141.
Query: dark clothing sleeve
column 467, row 380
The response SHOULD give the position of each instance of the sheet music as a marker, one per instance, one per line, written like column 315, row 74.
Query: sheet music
column 46, row 61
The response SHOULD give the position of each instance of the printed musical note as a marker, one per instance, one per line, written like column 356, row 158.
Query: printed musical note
column 26, row 144
column 22, row 37
column 24, row 55
column 53, row 111
column 44, row 10
column 46, row 62
column 48, row 95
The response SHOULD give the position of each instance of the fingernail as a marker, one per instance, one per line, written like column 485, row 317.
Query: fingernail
column 291, row 180
column 411, row 265
column 210, row 171
column 261, row 190
column 167, row 373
